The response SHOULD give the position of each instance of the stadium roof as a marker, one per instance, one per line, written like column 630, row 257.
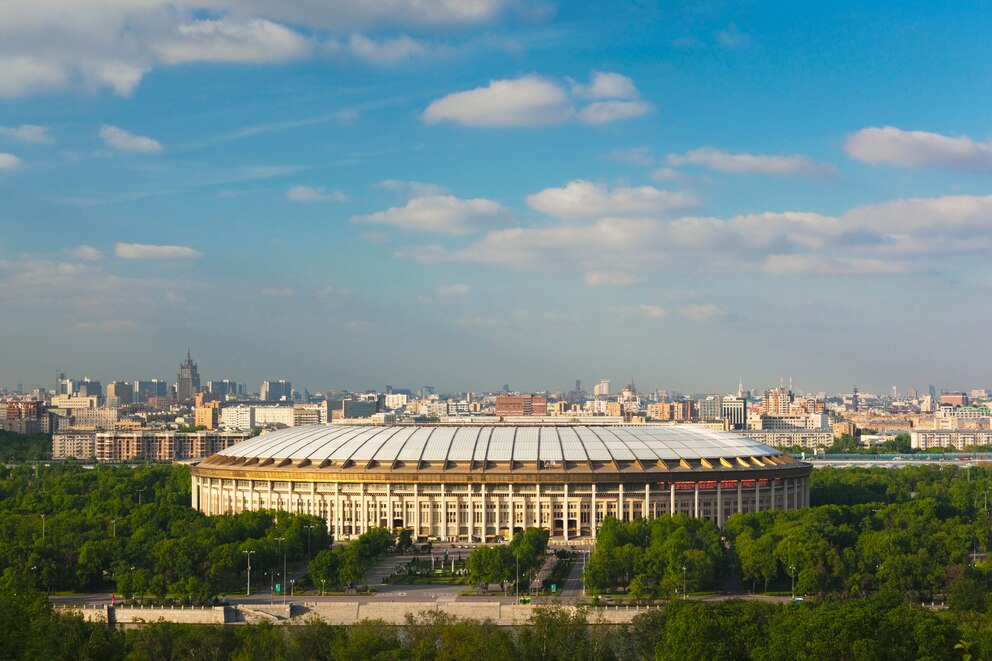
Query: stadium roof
column 508, row 447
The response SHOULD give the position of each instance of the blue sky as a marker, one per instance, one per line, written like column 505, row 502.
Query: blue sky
column 472, row 193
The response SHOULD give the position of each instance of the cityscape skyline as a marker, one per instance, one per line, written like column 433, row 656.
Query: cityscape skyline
column 500, row 191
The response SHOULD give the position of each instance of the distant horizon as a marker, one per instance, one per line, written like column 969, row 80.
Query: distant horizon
column 497, row 191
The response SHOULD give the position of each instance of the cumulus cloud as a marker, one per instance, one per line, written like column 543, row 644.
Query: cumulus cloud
column 634, row 155
column 744, row 163
column 276, row 292
column 24, row 74
column 386, row 51
column 916, row 149
column 443, row 214
column 26, row 133
column 535, row 100
column 611, row 279
column 307, row 194
column 605, row 85
column 412, row 188
column 529, row 101
column 148, row 251
column 88, row 253
column 232, row 40
column 604, row 112
column 9, row 161
column 700, row 311
column 121, row 140
column 872, row 240
column 458, row 289
column 827, row 265
column 652, row 311
column 585, row 199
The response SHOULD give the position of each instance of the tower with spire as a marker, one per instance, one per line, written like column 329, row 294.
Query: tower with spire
column 188, row 382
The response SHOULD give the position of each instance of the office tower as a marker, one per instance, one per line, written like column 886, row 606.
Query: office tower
column 276, row 391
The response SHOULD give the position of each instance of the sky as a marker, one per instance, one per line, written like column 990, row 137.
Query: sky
column 471, row 193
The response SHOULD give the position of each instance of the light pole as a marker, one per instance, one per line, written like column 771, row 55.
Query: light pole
column 113, row 523
column 517, row 557
column 42, row 527
column 281, row 540
column 309, row 528
column 792, row 570
column 248, row 591
column 140, row 491
column 322, row 581
column 685, row 594
column 292, row 587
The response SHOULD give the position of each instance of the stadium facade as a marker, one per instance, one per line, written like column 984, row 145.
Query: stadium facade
column 482, row 483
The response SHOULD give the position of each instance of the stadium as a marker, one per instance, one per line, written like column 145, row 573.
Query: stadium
column 483, row 483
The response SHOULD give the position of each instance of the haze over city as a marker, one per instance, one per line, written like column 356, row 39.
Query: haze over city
column 467, row 194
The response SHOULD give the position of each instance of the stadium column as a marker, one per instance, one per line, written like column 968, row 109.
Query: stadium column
column 251, row 495
column 740, row 497
column 564, row 518
column 695, row 499
column 771, row 502
column 785, row 493
column 416, row 511
column 471, row 514
column 444, row 516
column 485, row 514
column 757, row 494
column 719, row 504
column 289, row 496
column 338, row 516
column 513, row 512
column 537, row 505
column 269, row 496
column 313, row 499
column 647, row 500
column 593, row 513
column 389, row 507
column 620, row 508
column 671, row 504
column 195, row 493
column 363, row 522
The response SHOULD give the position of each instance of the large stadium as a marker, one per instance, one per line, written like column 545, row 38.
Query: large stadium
column 483, row 483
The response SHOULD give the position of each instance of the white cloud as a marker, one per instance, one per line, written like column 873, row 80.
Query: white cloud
column 21, row 75
column 27, row 133
column 700, row 311
column 9, row 161
column 108, row 325
column 307, row 194
column 744, row 163
column 458, row 289
column 585, row 199
column 606, row 85
column 604, row 112
column 611, row 279
column 915, row 149
column 324, row 292
column 529, row 101
column 668, row 174
column 634, row 155
column 387, row 51
column 88, row 253
column 412, row 188
column 276, row 292
column 444, row 214
column 231, row 40
column 652, row 311
column 480, row 322
column 535, row 100
column 122, row 140
column 827, row 265
column 147, row 251
column 732, row 37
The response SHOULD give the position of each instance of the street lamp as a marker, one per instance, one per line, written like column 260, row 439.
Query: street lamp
column 113, row 522
column 685, row 594
column 43, row 527
column 140, row 491
column 281, row 540
column 309, row 528
column 517, row 557
column 292, row 587
column 322, row 581
column 792, row 570
column 248, row 553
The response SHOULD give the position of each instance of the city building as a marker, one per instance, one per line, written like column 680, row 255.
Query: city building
column 521, row 405
column 734, row 411
column 483, row 483
column 188, row 382
column 141, row 444
column 145, row 390
column 959, row 439
column 276, row 391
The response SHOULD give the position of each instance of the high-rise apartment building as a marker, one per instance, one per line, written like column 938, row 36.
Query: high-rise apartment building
column 188, row 383
column 601, row 389
column 734, row 410
column 119, row 393
column 276, row 391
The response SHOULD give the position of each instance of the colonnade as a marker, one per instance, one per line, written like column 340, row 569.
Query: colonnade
column 477, row 512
